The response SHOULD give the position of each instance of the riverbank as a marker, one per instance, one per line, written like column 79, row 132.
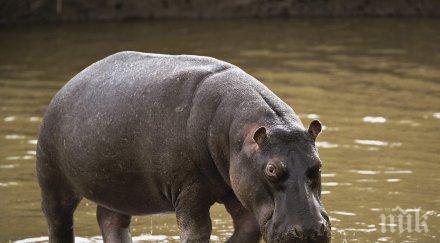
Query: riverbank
column 12, row 11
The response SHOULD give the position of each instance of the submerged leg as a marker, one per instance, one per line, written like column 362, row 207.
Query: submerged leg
column 115, row 227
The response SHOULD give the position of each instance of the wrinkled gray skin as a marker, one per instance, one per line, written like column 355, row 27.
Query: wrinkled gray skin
column 145, row 133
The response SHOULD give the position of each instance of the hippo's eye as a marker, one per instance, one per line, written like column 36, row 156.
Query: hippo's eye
column 314, row 174
column 271, row 170
column 274, row 171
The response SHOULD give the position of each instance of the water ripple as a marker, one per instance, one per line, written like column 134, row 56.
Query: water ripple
column 374, row 119
column 328, row 175
column 365, row 172
column 7, row 184
column 398, row 172
column 312, row 116
column 344, row 213
column 371, row 142
column 14, row 136
column 393, row 180
column 324, row 144
column 9, row 118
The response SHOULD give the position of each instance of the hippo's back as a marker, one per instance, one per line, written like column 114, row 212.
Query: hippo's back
column 135, row 74
column 126, row 91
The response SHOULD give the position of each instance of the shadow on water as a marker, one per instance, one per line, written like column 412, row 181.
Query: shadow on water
column 374, row 83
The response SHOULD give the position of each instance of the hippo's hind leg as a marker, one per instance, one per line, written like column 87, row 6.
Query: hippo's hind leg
column 115, row 227
column 59, row 200
column 246, row 228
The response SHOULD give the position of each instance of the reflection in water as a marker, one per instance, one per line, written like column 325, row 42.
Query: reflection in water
column 367, row 79
column 98, row 239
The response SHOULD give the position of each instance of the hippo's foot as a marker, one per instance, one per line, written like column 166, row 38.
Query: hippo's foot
column 115, row 227
column 246, row 228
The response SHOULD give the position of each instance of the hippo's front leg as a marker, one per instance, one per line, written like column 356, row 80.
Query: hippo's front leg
column 246, row 228
column 192, row 213
column 115, row 227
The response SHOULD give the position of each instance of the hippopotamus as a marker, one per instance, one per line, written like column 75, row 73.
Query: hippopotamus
column 139, row 134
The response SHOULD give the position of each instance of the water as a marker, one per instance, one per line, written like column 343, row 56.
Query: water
column 374, row 83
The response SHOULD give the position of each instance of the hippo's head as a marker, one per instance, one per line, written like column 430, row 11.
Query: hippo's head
column 277, row 175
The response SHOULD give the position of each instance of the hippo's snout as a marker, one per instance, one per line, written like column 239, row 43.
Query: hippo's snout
column 317, row 232
column 299, row 234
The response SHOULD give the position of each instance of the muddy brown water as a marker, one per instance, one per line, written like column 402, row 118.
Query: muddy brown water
column 374, row 83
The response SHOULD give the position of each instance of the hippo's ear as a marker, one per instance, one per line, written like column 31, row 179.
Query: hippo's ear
column 315, row 128
column 260, row 136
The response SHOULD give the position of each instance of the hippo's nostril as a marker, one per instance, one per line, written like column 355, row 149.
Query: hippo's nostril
column 321, row 230
column 325, row 216
column 297, row 231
